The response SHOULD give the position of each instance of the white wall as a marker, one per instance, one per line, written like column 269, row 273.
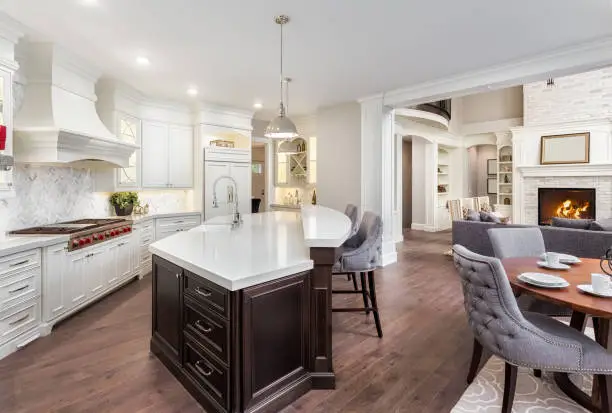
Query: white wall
column 491, row 106
column 585, row 96
column 339, row 155
column 419, row 190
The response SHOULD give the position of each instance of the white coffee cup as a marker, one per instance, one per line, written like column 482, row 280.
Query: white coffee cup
column 552, row 259
column 601, row 283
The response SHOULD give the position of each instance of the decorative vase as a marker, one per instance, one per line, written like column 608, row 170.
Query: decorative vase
column 122, row 212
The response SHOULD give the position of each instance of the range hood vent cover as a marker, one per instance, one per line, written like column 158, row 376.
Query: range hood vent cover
column 58, row 122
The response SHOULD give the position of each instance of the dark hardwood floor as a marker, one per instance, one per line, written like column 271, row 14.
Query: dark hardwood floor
column 99, row 361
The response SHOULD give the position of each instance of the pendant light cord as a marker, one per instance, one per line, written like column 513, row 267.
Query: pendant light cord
column 281, row 65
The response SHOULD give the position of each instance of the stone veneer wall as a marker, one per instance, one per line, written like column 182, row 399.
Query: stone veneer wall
column 585, row 96
column 50, row 194
column 603, row 186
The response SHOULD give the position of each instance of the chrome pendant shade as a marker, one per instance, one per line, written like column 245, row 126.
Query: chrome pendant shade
column 281, row 127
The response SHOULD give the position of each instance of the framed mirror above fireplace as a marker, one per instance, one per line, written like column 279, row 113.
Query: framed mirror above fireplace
column 571, row 203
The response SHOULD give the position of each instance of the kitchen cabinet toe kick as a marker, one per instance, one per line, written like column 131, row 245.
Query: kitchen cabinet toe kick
column 257, row 349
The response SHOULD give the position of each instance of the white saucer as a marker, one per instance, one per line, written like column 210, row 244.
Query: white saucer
column 543, row 280
column 559, row 266
column 564, row 258
column 588, row 288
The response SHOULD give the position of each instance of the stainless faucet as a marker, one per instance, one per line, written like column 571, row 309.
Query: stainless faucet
column 232, row 197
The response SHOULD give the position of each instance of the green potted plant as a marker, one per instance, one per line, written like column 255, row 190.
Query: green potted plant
column 124, row 202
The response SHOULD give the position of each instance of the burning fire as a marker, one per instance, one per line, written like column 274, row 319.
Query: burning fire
column 568, row 210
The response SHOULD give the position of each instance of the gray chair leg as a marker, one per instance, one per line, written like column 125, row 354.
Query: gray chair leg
column 509, row 387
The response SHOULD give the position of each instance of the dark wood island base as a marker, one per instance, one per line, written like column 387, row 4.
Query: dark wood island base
column 253, row 350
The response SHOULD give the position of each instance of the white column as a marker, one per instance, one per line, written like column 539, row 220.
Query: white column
column 377, row 168
column 398, row 208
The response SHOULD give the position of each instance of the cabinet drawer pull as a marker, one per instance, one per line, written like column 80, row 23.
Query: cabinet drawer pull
column 19, row 289
column 199, row 325
column 178, row 275
column 203, row 292
column 179, row 222
column 15, row 264
column 24, row 318
column 198, row 367
column 122, row 244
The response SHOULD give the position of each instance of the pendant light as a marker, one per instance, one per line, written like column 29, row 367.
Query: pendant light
column 281, row 127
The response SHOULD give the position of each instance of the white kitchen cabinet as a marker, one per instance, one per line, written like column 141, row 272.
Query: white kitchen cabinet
column 154, row 155
column 134, row 248
column 165, row 227
column 123, row 259
column 97, row 265
column 167, row 156
column 112, row 273
column 76, row 281
column 180, row 157
column 55, row 291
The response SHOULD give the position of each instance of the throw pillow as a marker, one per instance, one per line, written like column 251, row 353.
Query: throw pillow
column 489, row 217
column 485, row 207
column 472, row 215
column 572, row 223
column 601, row 225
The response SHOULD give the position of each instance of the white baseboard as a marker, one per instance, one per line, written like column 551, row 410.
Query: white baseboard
column 423, row 227
column 389, row 258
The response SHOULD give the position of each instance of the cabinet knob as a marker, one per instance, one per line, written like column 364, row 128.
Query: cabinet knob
column 178, row 275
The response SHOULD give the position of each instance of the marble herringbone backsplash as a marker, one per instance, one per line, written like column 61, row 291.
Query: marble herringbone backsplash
column 50, row 194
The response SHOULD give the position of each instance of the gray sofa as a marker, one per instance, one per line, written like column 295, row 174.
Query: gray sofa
column 579, row 242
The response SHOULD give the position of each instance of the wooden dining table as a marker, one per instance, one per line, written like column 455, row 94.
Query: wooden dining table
column 582, row 306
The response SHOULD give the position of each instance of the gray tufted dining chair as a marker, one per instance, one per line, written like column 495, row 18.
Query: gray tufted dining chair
column 524, row 242
column 525, row 339
column 361, row 255
column 352, row 212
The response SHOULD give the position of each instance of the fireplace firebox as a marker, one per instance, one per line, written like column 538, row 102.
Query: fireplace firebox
column 572, row 203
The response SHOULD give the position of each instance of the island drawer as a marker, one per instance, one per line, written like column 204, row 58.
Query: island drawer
column 210, row 375
column 207, row 294
column 17, row 262
column 210, row 330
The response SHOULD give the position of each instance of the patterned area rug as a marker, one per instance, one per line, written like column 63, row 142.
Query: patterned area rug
column 533, row 395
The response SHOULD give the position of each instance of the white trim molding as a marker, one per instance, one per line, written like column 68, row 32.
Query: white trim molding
column 570, row 60
column 565, row 170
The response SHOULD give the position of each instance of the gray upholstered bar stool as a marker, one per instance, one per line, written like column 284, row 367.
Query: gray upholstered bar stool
column 361, row 256
column 352, row 212
column 525, row 339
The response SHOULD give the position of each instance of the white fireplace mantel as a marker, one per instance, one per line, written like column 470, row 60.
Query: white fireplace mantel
column 601, row 169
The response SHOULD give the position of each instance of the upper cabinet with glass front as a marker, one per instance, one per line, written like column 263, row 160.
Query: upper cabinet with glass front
column 6, row 135
column 297, row 168
column 129, row 131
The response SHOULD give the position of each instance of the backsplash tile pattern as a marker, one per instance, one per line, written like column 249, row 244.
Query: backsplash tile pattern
column 47, row 194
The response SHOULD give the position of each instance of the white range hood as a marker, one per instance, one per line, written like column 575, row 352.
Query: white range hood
column 58, row 122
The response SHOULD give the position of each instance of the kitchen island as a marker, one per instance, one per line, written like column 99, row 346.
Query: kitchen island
column 242, row 316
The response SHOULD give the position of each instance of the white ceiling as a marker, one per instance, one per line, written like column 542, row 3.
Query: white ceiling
column 336, row 51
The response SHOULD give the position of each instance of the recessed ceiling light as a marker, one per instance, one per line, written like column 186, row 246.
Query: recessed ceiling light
column 258, row 105
column 89, row 2
column 192, row 91
column 143, row 61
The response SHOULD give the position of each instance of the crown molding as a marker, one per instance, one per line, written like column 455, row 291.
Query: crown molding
column 578, row 58
column 11, row 29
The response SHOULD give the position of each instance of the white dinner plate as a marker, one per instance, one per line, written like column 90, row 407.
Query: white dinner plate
column 588, row 288
column 559, row 266
column 564, row 258
column 543, row 280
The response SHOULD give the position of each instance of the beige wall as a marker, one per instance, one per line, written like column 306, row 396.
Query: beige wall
column 496, row 105
column 339, row 155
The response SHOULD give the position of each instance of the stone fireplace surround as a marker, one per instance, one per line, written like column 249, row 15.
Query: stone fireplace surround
column 529, row 175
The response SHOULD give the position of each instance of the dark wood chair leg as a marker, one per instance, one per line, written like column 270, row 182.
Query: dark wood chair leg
column 509, row 387
column 537, row 373
column 354, row 278
column 372, row 284
column 476, row 355
column 364, row 291
column 605, row 392
column 348, row 277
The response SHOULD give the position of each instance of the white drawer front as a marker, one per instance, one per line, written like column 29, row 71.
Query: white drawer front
column 189, row 220
column 19, row 261
column 19, row 319
column 19, row 287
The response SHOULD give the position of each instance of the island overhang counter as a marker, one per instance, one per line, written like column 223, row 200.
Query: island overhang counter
column 242, row 316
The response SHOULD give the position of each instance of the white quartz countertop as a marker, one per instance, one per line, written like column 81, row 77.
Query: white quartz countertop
column 142, row 218
column 19, row 243
column 266, row 247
